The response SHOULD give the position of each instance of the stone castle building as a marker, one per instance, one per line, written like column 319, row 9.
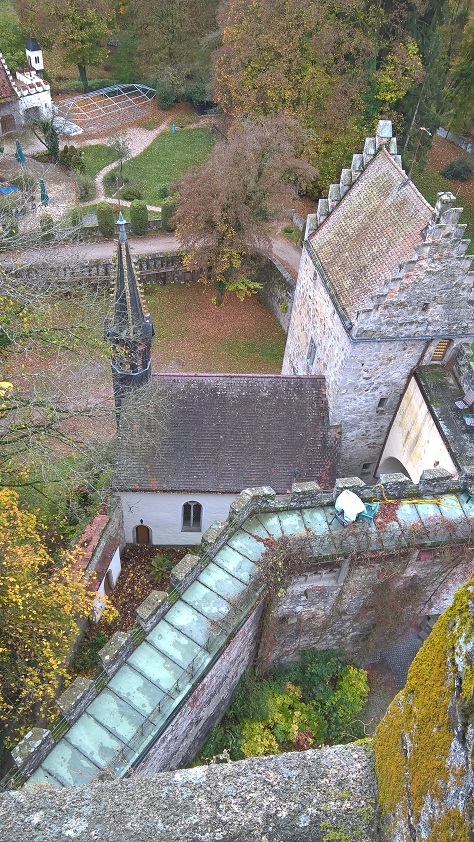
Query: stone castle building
column 383, row 288
column 24, row 96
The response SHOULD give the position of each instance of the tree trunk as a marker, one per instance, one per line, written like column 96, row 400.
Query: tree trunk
column 83, row 77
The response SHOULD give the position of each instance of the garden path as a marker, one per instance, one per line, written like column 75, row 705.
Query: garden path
column 138, row 139
column 283, row 250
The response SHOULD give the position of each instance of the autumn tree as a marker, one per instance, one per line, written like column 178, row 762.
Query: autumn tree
column 79, row 29
column 41, row 604
column 56, row 422
column 305, row 59
column 224, row 205
column 170, row 37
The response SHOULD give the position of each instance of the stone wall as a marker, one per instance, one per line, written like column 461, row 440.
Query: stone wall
column 187, row 732
column 363, row 603
column 278, row 289
column 326, row 795
column 425, row 743
column 358, row 374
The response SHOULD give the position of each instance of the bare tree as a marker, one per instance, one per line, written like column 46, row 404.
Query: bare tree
column 119, row 144
column 224, row 205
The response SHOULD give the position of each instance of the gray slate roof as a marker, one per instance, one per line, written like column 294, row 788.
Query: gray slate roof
column 373, row 229
column 224, row 433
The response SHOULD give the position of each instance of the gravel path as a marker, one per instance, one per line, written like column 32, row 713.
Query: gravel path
column 284, row 251
column 138, row 140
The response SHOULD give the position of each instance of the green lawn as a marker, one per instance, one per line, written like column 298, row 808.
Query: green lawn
column 193, row 335
column 97, row 157
column 166, row 160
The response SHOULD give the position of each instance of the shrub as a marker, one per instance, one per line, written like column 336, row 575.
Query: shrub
column 105, row 219
column 24, row 181
column 47, row 225
column 76, row 217
column 168, row 209
column 165, row 95
column 139, row 217
column 85, row 187
column 163, row 191
column 158, row 567
column 195, row 92
column 459, row 168
column 87, row 659
column 130, row 193
column 71, row 157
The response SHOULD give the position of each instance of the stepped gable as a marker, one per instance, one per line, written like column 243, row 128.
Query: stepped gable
column 368, row 229
column 7, row 91
column 222, row 433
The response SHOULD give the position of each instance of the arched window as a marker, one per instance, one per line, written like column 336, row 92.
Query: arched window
column 142, row 534
column 192, row 517
column 109, row 582
column 440, row 351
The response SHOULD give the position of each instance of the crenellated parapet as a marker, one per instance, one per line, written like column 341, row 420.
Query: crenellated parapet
column 360, row 161
column 436, row 279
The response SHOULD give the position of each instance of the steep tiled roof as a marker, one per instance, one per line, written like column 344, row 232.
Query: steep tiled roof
column 223, row 433
column 371, row 232
column 7, row 90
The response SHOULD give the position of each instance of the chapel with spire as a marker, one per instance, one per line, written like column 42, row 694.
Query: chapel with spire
column 129, row 329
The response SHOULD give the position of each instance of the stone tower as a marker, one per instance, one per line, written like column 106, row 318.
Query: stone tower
column 129, row 330
column 34, row 56
column 383, row 286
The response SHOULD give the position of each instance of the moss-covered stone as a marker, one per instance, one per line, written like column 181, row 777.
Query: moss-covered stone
column 423, row 744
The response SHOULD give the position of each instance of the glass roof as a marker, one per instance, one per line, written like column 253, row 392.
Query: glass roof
column 130, row 712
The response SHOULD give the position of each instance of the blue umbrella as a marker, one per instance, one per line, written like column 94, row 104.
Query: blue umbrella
column 44, row 194
column 19, row 153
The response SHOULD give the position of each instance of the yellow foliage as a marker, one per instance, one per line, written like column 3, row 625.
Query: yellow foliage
column 420, row 716
column 400, row 70
column 40, row 605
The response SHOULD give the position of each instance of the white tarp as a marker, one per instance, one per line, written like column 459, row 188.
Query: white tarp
column 350, row 504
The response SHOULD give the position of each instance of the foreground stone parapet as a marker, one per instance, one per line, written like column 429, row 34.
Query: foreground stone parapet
column 313, row 795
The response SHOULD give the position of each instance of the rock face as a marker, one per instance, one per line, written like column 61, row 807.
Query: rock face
column 327, row 795
column 424, row 744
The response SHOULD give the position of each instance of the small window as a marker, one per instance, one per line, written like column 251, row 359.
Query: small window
column 366, row 468
column 311, row 355
column 382, row 404
column 425, row 307
column 37, row 59
column 439, row 352
column 192, row 517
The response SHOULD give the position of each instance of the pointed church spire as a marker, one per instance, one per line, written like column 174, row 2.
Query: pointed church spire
column 129, row 331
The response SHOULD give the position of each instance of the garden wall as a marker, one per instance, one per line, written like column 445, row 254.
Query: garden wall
column 278, row 289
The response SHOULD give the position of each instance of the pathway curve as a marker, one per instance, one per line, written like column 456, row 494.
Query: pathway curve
column 160, row 241
column 138, row 139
